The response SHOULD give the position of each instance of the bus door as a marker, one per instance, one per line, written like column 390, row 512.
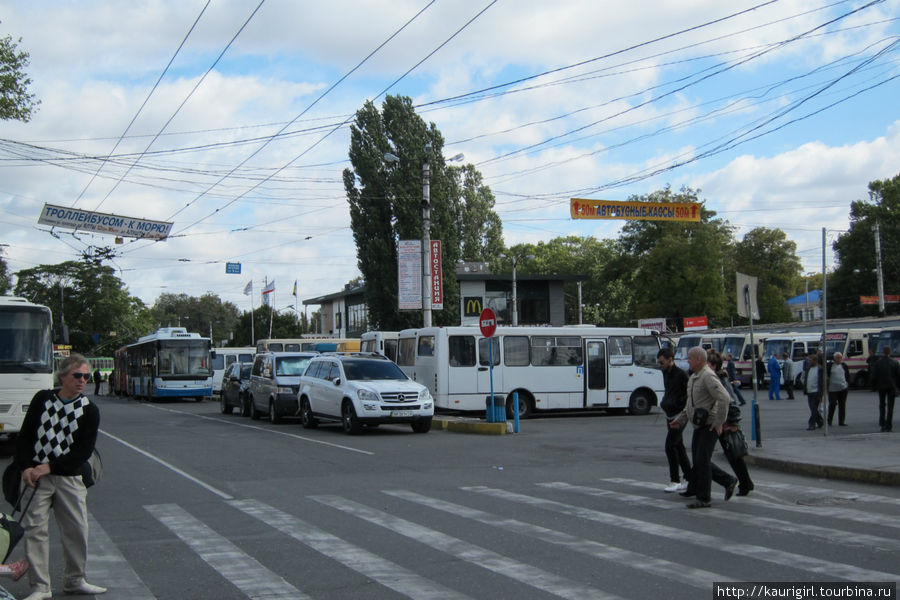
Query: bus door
column 489, row 348
column 596, row 375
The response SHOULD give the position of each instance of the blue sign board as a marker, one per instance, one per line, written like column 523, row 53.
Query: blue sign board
column 233, row 268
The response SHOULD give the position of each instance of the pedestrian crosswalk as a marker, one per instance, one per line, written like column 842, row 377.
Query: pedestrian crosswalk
column 612, row 538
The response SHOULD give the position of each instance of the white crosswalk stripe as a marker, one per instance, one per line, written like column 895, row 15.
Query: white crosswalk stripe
column 248, row 575
column 476, row 555
column 383, row 571
column 773, row 555
column 107, row 564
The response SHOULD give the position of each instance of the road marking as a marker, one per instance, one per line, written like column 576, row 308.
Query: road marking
column 470, row 553
column 257, row 428
column 790, row 487
column 626, row 558
column 242, row 571
column 828, row 534
column 108, row 567
column 772, row 555
column 170, row 466
column 849, row 514
column 385, row 572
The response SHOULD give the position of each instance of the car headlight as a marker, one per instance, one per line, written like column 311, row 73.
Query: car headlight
column 424, row 395
column 368, row 396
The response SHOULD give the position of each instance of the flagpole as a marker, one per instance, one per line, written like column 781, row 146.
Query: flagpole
column 252, row 335
column 297, row 308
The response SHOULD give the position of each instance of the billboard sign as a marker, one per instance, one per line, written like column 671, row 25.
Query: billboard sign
column 437, row 276
column 581, row 208
column 409, row 275
column 86, row 220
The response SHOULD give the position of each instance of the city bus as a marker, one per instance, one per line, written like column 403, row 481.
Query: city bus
column 221, row 358
column 311, row 344
column 380, row 342
column 796, row 345
column 551, row 368
column 891, row 339
column 26, row 358
column 854, row 344
column 170, row 363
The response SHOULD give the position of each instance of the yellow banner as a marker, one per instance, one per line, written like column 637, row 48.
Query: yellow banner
column 643, row 211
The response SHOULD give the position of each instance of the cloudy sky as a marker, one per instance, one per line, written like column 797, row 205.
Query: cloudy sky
column 230, row 118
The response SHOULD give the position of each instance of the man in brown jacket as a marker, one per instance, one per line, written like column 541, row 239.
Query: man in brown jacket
column 705, row 393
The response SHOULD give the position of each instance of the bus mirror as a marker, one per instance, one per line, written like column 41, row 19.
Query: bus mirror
column 212, row 353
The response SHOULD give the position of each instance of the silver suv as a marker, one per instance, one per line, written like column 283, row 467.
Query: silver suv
column 362, row 389
column 274, row 382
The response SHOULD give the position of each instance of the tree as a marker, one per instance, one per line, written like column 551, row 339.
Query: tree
column 5, row 282
column 90, row 301
column 285, row 324
column 768, row 255
column 15, row 101
column 481, row 230
column 386, row 198
column 855, row 274
column 676, row 268
column 205, row 315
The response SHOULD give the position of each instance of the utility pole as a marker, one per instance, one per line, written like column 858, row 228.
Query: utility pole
column 878, row 271
column 426, row 238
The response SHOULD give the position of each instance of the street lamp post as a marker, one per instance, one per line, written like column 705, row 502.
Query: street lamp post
column 515, row 302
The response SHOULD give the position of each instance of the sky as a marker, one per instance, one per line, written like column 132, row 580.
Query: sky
column 231, row 120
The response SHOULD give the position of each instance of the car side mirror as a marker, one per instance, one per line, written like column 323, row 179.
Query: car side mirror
column 337, row 381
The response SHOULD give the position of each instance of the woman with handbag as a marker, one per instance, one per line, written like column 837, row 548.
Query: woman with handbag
column 56, row 439
column 732, row 439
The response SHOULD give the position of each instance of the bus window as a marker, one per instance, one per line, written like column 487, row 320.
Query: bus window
column 406, row 352
column 515, row 351
column 461, row 350
column 645, row 349
column 620, row 350
column 556, row 351
column 426, row 345
column 487, row 352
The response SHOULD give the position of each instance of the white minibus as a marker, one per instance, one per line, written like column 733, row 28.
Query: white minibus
column 380, row 342
column 223, row 357
column 551, row 368
column 854, row 344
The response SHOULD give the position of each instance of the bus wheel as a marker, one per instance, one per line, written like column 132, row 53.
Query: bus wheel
column 639, row 404
column 526, row 406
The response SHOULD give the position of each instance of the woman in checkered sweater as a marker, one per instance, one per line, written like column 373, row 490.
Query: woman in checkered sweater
column 56, row 439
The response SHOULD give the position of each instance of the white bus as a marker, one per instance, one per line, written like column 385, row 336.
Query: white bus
column 26, row 358
column 223, row 357
column 796, row 345
column 551, row 368
column 854, row 344
column 380, row 342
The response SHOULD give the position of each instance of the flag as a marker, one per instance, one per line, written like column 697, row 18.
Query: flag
column 270, row 287
column 248, row 289
column 295, row 288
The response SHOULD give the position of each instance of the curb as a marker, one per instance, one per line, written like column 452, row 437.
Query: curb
column 460, row 425
column 826, row 471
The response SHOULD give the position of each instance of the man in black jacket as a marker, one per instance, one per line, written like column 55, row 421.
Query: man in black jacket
column 674, row 399
column 884, row 380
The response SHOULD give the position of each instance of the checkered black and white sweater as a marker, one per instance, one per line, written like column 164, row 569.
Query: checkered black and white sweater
column 61, row 434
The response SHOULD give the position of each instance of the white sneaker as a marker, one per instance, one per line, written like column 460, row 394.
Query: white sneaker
column 39, row 595
column 676, row 486
column 84, row 588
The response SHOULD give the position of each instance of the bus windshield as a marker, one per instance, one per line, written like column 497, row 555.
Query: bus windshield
column 184, row 357
column 25, row 345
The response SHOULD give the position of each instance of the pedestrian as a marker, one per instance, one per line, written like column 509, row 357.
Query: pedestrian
column 706, row 409
column 52, row 465
column 774, row 378
column 813, row 383
column 733, row 380
column 760, row 373
column 787, row 371
column 98, row 379
column 885, row 380
column 675, row 383
column 838, row 386
column 732, row 423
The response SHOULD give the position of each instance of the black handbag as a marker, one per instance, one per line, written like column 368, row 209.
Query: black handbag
column 734, row 444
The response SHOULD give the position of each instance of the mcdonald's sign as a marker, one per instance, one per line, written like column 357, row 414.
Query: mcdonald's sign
column 472, row 306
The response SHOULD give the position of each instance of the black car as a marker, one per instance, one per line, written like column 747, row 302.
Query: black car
column 235, row 383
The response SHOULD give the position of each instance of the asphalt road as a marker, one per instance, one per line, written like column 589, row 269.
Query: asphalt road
column 198, row 505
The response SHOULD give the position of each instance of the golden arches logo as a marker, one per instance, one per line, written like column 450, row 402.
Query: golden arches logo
column 472, row 307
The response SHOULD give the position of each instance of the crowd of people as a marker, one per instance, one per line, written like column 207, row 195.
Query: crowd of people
column 708, row 398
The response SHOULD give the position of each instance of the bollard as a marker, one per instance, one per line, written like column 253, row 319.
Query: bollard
column 516, row 412
column 495, row 410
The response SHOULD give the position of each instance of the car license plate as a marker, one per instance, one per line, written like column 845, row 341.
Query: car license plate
column 401, row 413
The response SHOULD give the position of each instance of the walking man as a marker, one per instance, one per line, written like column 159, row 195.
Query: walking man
column 774, row 378
column 674, row 399
column 787, row 370
column 838, row 386
column 706, row 408
column 733, row 379
column 884, row 380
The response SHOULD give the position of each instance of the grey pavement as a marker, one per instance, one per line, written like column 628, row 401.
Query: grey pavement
column 856, row 452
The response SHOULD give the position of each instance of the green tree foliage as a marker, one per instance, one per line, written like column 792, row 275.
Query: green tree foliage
column 768, row 255
column 5, row 280
column 385, row 201
column 201, row 315
column 481, row 230
column 855, row 274
column 676, row 268
column 15, row 101
column 285, row 324
column 90, row 300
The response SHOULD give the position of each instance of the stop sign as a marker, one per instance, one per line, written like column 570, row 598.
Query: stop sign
column 488, row 322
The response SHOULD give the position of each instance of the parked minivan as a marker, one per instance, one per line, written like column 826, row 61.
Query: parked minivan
column 274, row 383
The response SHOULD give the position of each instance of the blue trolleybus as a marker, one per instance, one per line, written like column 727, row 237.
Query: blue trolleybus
column 170, row 363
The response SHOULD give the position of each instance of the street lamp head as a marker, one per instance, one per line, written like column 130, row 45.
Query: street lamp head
column 392, row 158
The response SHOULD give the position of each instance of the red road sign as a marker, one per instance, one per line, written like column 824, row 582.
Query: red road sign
column 488, row 322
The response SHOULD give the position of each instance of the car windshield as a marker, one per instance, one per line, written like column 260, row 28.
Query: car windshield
column 372, row 369
column 291, row 365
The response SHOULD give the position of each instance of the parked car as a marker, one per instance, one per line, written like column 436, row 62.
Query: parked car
column 360, row 390
column 275, row 382
column 234, row 392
